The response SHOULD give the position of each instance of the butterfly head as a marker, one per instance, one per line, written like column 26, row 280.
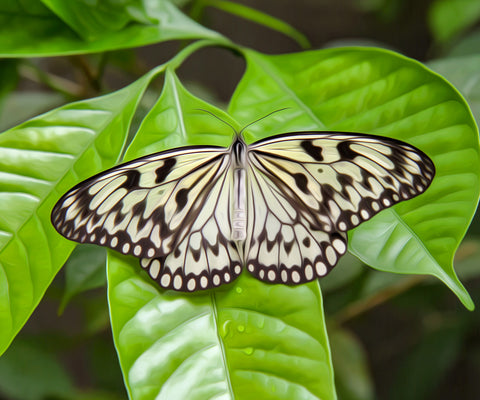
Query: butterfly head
column 239, row 150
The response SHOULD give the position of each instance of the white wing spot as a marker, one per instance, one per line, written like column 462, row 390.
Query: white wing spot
column 284, row 276
column 238, row 269
column 251, row 267
column 93, row 237
column 321, row 268
column 339, row 246
column 295, row 276
column 216, row 280
column 144, row 262
column 103, row 239
column 165, row 281
column 151, row 252
column 154, row 269
column 395, row 197
column 177, row 282
column 354, row 219
column 375, row 206
column 114, row 242
column 342, row 226
column 137, row 250
column 226, row 277
column 271, row 275
column 261, row 274
column 386, row 202
column 203, row 282
column 191, row 284
column 309, row 272
column 331, row 256
column 126, row 247
column 365, row 214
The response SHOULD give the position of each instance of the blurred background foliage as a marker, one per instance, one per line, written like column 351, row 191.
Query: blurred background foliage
column 393, row 337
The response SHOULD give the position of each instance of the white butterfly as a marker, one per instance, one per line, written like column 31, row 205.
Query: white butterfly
column 197, row 215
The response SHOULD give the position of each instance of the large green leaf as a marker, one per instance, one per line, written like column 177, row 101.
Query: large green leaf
column 30, row 29
column 379, row 92
column 39, row 160
column 91, row 20
column 247, row 340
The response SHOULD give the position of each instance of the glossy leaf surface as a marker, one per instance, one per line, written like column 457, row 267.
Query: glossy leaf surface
column 39, row 161
column 30, row 29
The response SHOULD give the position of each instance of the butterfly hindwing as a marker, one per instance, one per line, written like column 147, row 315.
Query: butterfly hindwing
column 285, row 241
column 204, row 256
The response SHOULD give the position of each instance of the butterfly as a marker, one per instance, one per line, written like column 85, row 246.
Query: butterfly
column 195, row 216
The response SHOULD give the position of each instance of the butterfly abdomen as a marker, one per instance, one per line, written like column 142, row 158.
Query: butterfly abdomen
column 239, row 210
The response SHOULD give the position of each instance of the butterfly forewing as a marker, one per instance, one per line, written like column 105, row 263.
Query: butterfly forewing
column 143, row 207
column 344, row 179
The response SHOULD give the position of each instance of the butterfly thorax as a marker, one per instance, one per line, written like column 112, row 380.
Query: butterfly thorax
column 239, row 213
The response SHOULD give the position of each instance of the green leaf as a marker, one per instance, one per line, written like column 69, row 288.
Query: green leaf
column 448, row 18
column 246, row 340
column 464, row 73
column 30, row 29
column 92, row 20
column 179, row 119
column 40, row 160
column 379, row 92
column 30, row 372
column 84, row 270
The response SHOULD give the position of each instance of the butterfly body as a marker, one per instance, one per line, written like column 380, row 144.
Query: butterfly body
column 239, row 212
column 280, row 207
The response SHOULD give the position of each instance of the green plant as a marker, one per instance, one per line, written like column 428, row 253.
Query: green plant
column 248, row 339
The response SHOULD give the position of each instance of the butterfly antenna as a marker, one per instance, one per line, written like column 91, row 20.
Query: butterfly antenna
column 217, row 117
column 259, row 119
